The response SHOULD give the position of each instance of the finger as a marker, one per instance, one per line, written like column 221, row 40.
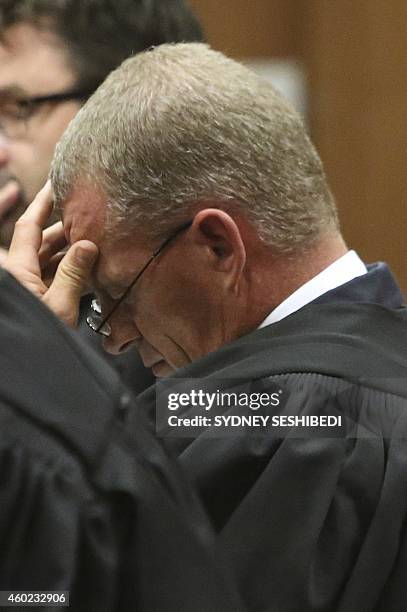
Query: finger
column 41, row 207
column 27, row 237
column 53, row 240
column 3, row 256
column 8, row 196
column 71, row 280
column 49, row 271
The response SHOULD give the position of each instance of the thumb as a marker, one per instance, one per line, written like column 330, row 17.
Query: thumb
column 71, row 281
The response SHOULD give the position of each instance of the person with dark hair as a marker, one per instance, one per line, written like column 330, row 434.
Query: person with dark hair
column 99, row 34
column 191, row 190
column 53, row 55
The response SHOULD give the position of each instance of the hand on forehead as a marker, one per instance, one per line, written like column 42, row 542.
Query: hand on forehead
column 34, row 252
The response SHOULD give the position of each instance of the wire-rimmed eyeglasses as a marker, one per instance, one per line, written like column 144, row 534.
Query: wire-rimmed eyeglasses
column 99, row 323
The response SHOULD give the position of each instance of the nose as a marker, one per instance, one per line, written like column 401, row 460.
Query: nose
column 124, row 332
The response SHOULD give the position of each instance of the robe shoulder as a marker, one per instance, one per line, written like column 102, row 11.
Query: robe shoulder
column 85, row 505
column 310, row 522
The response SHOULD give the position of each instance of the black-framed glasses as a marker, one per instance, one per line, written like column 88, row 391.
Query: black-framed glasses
column 16, row 110
column 99, row 323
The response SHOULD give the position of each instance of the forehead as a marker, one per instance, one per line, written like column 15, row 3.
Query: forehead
column 84, row 214
column 33, row 60
column 84, row 217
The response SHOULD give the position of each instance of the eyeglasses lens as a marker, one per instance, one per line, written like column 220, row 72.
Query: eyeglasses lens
column 95, row 319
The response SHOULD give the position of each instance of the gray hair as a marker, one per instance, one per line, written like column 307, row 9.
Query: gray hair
column 182, row 126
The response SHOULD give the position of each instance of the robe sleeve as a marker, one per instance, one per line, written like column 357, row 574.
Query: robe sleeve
column 85, row 505
column 311, row 522
column 125, row 534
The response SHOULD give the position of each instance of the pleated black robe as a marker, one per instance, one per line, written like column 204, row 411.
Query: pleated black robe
column 86, row 506
column 311, row 521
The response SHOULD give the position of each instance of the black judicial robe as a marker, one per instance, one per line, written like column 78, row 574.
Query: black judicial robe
column 313, row 522
column 84, row 505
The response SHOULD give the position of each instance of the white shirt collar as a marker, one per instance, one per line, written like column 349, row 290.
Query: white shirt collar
column 341, row 271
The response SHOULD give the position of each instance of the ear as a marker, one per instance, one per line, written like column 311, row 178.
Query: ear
column 218, row 233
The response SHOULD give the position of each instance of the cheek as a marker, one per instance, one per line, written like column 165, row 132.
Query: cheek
column 158, row 303
column 20, row 153
column 31, row 158
column 177, row 311
column 57, row 123
column 29, row 165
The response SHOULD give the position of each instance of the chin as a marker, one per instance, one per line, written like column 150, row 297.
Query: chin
column 162, row 369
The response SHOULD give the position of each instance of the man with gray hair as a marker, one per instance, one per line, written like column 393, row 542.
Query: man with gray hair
column 193, row 199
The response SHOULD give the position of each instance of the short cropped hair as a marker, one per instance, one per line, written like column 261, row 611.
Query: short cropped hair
column 100, row 34
column 183, row 126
